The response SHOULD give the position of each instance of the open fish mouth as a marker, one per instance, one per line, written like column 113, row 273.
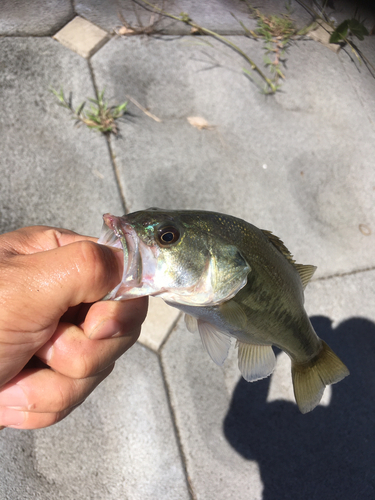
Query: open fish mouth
column 117, row 233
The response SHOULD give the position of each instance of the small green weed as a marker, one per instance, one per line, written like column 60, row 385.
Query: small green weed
column 100, row 116
column 276, row 32
column 345, row 32
column 349, row 27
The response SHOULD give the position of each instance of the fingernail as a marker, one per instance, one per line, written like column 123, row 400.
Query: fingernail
column 13, row 397
column 11, row 418
column 106, row 329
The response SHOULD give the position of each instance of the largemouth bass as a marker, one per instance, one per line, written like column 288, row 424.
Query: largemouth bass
column 231, row 279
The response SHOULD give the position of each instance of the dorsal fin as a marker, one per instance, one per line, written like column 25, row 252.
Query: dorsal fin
column 275, row 240
column 305, row 273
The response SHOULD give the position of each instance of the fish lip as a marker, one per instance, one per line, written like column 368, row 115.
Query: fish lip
column 127, row 239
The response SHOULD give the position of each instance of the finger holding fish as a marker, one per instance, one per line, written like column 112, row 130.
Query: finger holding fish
column 109, row 329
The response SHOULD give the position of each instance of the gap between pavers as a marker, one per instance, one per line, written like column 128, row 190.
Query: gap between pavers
column 160, row 319
column 82, row 37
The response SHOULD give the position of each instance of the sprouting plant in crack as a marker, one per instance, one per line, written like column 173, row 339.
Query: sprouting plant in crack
column 100, row 116
column 276, row 31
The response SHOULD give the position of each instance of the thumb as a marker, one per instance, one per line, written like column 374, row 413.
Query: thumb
column 80, row 272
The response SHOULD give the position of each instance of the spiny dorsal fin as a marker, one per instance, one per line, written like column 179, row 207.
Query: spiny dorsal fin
column 305, row 273
column 279, row 245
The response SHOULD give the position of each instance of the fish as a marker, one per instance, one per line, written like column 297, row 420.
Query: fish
column 232, row 280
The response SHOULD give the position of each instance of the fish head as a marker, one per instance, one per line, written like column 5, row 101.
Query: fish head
column 180, row 256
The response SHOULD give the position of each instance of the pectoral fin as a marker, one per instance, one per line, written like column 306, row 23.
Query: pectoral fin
column 255, row 361
column 191, row 323
column 233, row 314
column 216, row 342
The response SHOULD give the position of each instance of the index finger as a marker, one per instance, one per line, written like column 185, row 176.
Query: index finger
column 33, row 239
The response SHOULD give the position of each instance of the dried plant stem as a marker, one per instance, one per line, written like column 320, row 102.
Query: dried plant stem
column 145, row 111
column 183, row 17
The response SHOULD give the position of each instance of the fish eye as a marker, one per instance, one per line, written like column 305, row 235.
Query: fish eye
column 166, row 235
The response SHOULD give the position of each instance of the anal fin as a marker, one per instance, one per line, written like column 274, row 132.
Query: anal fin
column 216, row 342
column 255, row 361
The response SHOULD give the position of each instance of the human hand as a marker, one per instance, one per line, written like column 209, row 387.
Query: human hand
column 57, row 343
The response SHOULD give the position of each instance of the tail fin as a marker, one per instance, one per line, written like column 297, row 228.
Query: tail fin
column 310, row 379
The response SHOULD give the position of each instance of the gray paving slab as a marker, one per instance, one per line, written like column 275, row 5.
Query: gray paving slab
column 34, row 17
column 210, row 14
column 223, row 16
column 52, row 173
column 299, row 163
column 362, row 79
column 345, row 9
column 248, row 441
column 120, row 443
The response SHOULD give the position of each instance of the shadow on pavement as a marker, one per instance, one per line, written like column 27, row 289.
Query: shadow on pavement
column 328, row 453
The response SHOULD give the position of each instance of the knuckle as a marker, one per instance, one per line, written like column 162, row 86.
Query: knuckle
column 62, row 399
column 95, row 260
column 85, row 367
column 88, row 253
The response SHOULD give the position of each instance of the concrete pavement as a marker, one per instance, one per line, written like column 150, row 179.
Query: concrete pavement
column 168, row 423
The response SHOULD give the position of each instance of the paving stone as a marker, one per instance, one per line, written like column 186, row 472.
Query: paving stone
column 248, row 440
column 322, row 33
column 160, row 319
column 337, row 12
column 119, row 443
column 111, row 15
column 34, row 17
column 224, row 16
column 362, row 79
column 53, row 173
column 82, row 36
column 298, row 163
